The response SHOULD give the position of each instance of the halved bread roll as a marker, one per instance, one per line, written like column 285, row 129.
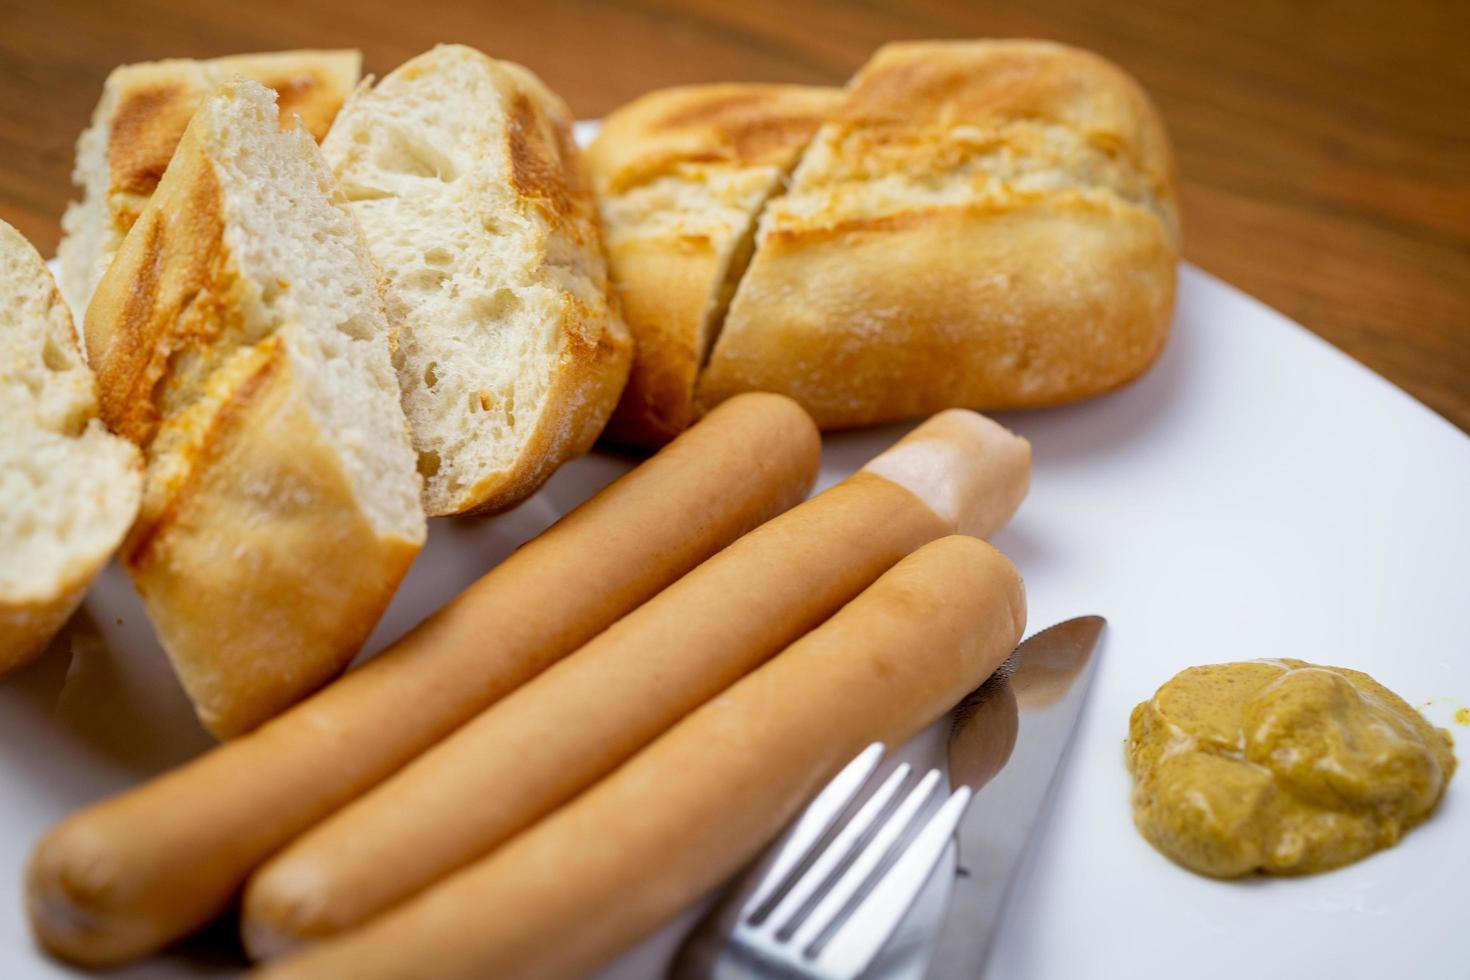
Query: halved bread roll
column 137, row 124
column 987, row 224
column 681, row 175
column 240, row 338
column 464, row 175
column 69, row 487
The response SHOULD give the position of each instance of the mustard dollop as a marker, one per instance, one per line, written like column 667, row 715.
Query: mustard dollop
column 1280, row 767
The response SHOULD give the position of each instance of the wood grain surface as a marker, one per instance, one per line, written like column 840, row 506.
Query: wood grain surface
column 1323, row 146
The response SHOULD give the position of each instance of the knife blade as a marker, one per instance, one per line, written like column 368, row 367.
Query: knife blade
column 1006, row 742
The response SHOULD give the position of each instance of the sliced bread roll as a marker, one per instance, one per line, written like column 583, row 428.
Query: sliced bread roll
column 240, row 338
column 987, row 224
column 681, row 175
column 69, row 488
column 464, row 175
column 140, row 119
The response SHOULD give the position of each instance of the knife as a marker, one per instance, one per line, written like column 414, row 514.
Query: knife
column 1005, row 741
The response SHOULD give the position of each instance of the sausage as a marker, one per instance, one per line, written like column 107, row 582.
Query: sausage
column 126, row 876
column 692, row 808
column 538, row 747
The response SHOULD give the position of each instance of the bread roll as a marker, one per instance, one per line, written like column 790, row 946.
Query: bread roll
column 240, row 339
column 613, row 865
column 471, row 190
column 531, row 752
column 989, row 224
column 681, row 175
column 69, row 488
column 125, row 877
column 138, row 123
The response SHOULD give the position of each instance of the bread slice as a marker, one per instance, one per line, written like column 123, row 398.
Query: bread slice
column 240, row 338
column 681, row 176
column 69, row 487
column 464, row 175
column 138, row 122
column 987, row 224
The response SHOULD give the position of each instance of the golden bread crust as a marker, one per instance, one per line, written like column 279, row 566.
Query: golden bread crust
column 259, row 565
column 550, row 203
column 171, row 294
column 986, row 224
column 1053, row 301
column 548, row 170
column 726, row 147
column 48, row 398
column 730, row 125
column 259, row 570
column 152, row 104
column 920, row 84
column 665, row 293
column 588, row 381
column 148, row 120
column 143, row 113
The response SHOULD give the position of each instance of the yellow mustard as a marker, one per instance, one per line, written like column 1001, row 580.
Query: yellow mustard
column 1281, row 767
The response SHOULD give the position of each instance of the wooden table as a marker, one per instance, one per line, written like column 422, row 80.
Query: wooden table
column 1324, row 147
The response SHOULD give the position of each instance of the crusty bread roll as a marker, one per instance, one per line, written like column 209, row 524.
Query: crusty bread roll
column 68, row 488
column 240, row 339
column 138, row 123
column 978, row 224
column 681, row 175
column 988, row 223
column 464, row 175
column 128, row 875
column 688, row 811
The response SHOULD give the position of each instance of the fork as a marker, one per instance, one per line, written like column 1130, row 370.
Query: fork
column 843, row 880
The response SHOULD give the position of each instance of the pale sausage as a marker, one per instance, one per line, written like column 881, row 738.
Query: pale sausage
column 131, row 874
column 610, row 867
column 534, row 750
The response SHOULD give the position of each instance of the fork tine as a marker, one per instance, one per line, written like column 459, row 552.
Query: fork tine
column 801, row 847
column 792, row 910
column 870, row 921
column 888, row 837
